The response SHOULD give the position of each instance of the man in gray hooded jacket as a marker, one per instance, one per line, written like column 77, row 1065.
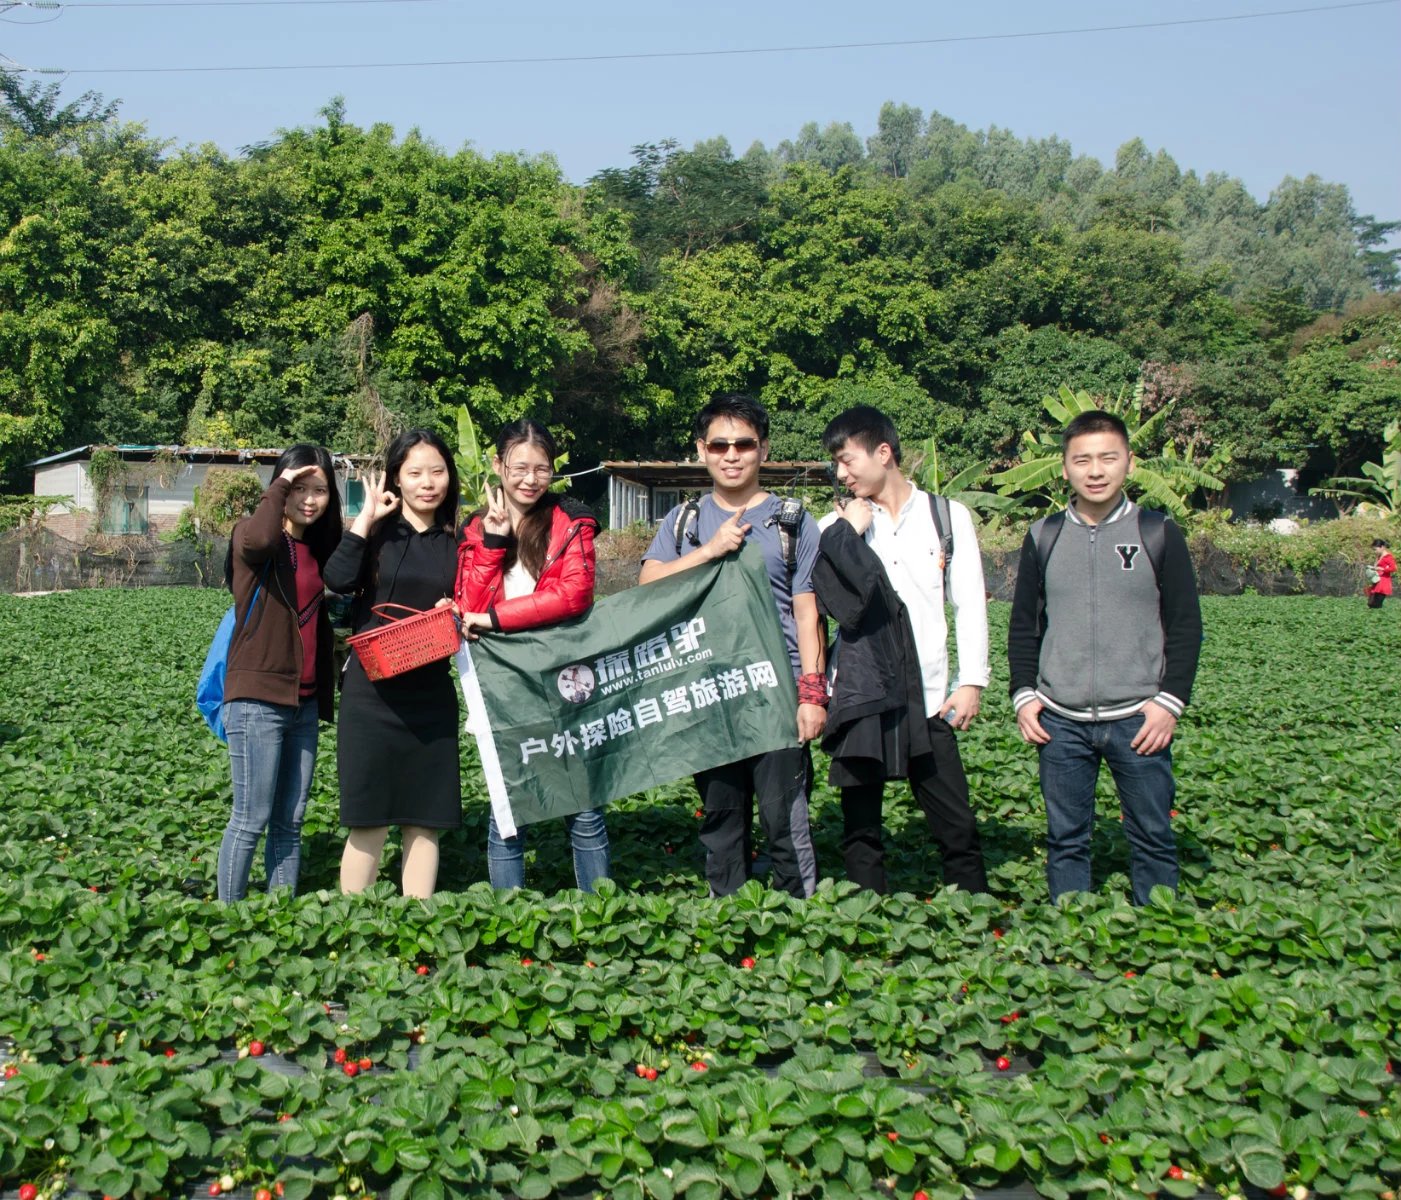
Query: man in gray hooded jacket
column 1102, row 644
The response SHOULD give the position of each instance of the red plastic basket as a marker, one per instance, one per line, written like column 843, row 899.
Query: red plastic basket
column 406, row 642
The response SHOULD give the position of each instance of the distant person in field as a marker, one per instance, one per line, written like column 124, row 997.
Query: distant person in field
column 890, row 558
column 1102, row 644
column 1380, row 575
column 281, row 674
column 732, row 440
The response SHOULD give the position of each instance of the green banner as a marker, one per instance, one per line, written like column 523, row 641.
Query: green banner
column 652, row 684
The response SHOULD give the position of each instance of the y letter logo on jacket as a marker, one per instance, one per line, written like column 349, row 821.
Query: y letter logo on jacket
column 1126, row 555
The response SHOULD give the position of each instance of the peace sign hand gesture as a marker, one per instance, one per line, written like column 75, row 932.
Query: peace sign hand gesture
column 496, row 519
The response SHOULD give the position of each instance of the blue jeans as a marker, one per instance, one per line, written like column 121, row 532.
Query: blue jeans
column 505, row 857
column 1069, row 767
column 272, row 749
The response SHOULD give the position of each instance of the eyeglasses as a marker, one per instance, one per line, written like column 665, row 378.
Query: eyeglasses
column 722, row 445
column 544, row 473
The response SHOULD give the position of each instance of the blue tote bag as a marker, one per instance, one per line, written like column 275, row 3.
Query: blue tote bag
column 209, row 692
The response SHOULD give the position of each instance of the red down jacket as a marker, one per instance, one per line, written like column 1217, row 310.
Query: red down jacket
column 565, row 586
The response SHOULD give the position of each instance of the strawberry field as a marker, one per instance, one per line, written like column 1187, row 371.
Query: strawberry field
column 650, row 1042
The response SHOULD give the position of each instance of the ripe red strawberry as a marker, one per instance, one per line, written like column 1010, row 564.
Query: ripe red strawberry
column 527, row 962
column 351, row 1069
column 38, row 956
column 421, row 969
column 367, row 1064
column 699, row 1066
column 1175, row 1172
column 997, row 933
column 1280, row 1189
column 920, row 1195
column 1172, row 812
column 650, row 1074
column 1010, row 1017
column 256, row 1048
column 640, row 1071
column 11, row 1070
column 1130, row 974
column 1003, row 1063
column 278, row 1188
column 892, row 1136
column 284, row 1116
column 262, row 1194
column 747, row 963
column 339, row 1056
column 590, row 965
column 27, row 1191
column 1362, row 1112
column 1105, row 1138
column 214, row 1189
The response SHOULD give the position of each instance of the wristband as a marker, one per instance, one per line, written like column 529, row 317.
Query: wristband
column 812, row 689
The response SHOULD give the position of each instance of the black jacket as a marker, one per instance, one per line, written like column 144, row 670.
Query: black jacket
column 876, row 721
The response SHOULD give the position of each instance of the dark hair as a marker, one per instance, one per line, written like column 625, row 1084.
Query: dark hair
column 1379, row 544
column 323, row 535
column 868, row 427
column 446, row 514
column 533, row 533
column 738, row 407
column 1094, row 421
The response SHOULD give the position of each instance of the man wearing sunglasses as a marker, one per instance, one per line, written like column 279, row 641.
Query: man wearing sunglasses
column 732, row 434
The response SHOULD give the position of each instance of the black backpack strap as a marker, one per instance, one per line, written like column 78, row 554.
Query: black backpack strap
column 943, row 530
column 684, row 527
column 789, row 519
column 1152, row 527
column 1045, row 538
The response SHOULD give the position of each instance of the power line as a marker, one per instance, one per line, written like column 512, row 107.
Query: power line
column 674, row 54
column 224, row 3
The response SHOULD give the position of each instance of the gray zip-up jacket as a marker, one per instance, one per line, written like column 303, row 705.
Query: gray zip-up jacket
column 1102, row 635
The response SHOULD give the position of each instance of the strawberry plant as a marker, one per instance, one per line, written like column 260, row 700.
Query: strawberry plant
column 650, row 1041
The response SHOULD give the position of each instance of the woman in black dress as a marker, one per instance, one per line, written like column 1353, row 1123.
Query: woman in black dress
column 396, row 750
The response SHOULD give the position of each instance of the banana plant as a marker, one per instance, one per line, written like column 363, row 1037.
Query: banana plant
column 474, row 458
column 989, row 507
column 1377, row 492
column 1163, row 477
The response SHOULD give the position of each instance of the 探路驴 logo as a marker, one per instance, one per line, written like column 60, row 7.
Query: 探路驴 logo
column 576, row 683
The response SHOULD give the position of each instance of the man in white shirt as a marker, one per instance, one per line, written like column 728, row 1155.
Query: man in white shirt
column 897, row 522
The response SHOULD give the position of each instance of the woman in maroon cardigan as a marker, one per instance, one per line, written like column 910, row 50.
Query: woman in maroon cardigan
column 528, row 560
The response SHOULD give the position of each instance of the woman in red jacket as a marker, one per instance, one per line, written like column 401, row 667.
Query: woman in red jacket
column 526, row 561
column 1379, row 576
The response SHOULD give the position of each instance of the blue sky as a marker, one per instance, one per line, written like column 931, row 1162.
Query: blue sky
column 1259, row 99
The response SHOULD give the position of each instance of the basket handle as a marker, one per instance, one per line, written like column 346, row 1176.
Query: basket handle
column 378, row 610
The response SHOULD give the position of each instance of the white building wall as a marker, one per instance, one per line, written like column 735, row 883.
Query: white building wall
column 64, row 479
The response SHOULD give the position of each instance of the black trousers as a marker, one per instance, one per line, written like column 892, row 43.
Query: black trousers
column 941, row 790
column 779, row 780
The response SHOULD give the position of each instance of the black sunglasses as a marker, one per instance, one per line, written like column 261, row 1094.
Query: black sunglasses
column 722, row 445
